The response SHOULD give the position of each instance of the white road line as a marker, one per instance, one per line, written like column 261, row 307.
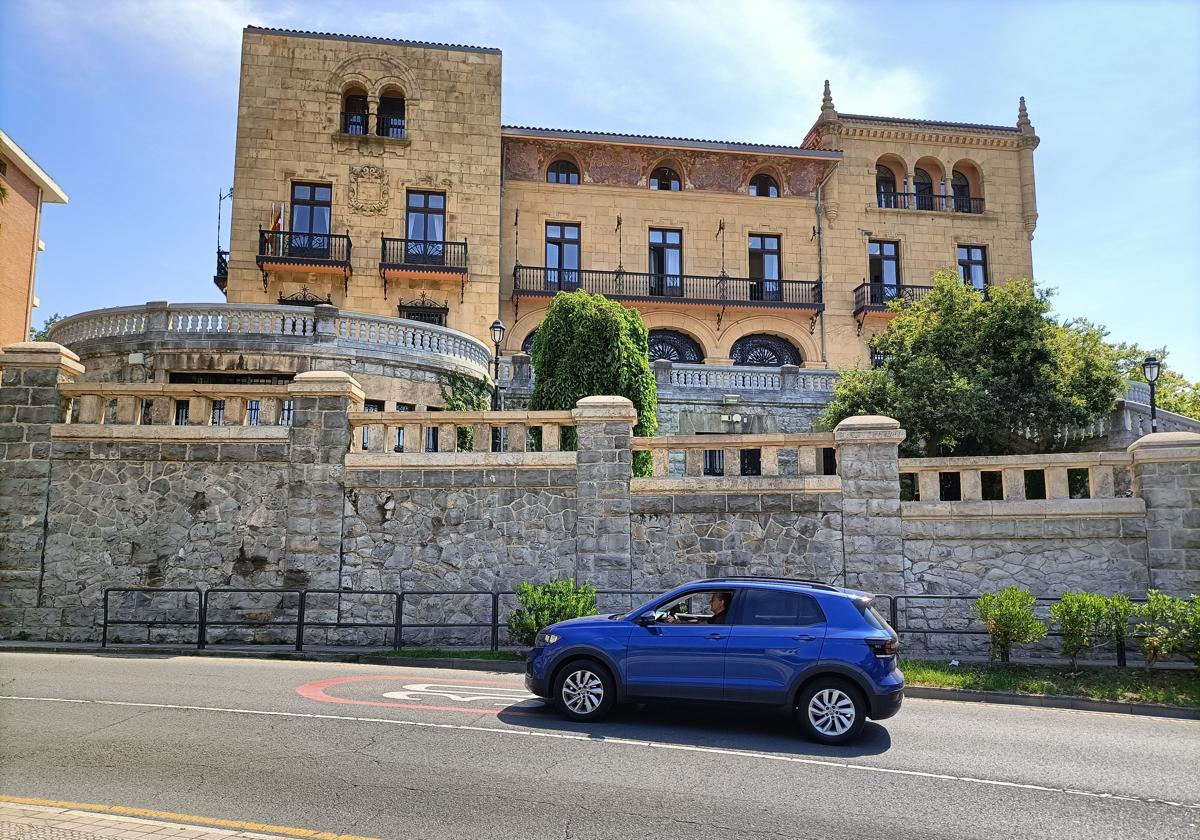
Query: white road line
column 628, row 742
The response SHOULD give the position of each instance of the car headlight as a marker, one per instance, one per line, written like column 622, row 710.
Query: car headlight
column 544, row 639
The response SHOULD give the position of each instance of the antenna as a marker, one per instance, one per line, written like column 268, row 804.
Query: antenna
column 221, row 198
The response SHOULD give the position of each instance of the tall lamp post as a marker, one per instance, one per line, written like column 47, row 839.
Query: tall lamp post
column 1150, row 371
column 497, row 338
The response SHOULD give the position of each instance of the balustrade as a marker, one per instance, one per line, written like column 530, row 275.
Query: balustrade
column 424, row 438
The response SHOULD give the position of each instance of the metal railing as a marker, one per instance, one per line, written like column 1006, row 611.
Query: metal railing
column 879, row 295
column 421, row 253
column 390, row 125
column 355, row 122
column 286, row 245
column 636, row 285
column 929, row 201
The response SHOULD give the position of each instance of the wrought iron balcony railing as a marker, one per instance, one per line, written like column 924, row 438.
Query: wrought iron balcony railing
column 632, row 285
column 929, row 201
column 877, row 296
column 282, row 246
column 419, row 253
column 355, row 122
column 221, row 277
column 389, row 125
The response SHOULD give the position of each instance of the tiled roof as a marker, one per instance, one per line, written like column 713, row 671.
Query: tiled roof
column 366, row 39
column 928, row 123
column 666, row 142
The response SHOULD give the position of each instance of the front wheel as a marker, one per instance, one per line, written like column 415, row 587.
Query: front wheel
column 584, row 690
column 831, row 711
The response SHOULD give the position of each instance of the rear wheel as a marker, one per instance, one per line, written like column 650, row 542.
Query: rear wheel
column 831, row 711
column 584, row 690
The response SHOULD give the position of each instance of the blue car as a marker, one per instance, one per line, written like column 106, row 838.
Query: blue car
column 818, row 651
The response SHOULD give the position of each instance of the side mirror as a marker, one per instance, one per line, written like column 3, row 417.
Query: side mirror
column 646, row 619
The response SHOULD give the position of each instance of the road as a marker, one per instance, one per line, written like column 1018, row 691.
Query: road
column 420, row 753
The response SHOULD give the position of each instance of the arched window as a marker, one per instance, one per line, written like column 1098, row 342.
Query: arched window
column 961, row 188
column 923, row 187
column 764, row 186
column 675, row 347
column 354, row 111
column 562, row 172
column 762, row 350
column 527, row 344
column 885, row 186
column 390, row 121
column 665, row 178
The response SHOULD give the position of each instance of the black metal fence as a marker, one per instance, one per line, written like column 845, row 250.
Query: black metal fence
column 929, row 201
column 296, row 245
column 879, row 295
column 646, row 286
column 421, row 253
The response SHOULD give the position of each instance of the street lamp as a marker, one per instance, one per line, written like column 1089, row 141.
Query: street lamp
column 1150, row 371
column 497, row 338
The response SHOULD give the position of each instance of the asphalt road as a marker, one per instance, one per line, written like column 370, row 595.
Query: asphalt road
column 413, row 753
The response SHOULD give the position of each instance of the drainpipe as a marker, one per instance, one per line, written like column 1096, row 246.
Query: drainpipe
column 821, row 255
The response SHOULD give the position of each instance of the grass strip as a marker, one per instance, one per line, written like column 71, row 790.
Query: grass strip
column 1123, row 685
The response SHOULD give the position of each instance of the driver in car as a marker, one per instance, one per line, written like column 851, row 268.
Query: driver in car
column 719, row 603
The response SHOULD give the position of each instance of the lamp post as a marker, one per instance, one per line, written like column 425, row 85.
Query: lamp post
column 1150, row 371
column 497, row 338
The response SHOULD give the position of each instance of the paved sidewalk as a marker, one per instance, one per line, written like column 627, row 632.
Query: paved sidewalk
column 22, row 821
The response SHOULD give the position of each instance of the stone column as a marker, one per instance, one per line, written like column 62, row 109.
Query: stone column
column 319, row 440
column 869, row 464
column 1166, row 474
column 326, row 322
column 30, row 403
column 604, row 467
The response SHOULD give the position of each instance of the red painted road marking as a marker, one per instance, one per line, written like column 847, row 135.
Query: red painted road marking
column 317, row 691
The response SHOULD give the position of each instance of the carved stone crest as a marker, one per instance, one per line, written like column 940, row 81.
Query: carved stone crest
column 368, row 189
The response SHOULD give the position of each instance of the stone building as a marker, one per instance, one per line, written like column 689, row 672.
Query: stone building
column 28, row 187
column 383, row 219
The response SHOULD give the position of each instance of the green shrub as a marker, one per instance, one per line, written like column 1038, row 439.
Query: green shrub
column 543, row 604
column 1009, row 619
column 1190, row 645
column 1080, row 616
column 1162, row 626
column 1114, row 625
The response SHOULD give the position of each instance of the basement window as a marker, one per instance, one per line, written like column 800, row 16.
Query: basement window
column 181, row 412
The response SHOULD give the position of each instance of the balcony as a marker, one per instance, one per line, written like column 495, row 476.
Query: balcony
column 871, row 300
column 676, row 288
column 421, row 259
column 929, row 202
column 316, row 253
column 221, row 278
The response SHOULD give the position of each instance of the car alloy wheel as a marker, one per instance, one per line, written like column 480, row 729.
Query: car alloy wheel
column 831, row 712
column 582, row 691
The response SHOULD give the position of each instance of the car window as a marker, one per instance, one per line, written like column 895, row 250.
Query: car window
column 777, row 607
column 694, row 606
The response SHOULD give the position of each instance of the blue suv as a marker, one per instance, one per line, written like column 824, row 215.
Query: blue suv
column 819, row 651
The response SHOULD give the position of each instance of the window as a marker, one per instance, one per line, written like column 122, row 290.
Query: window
column 253, row 413
column 424, row 309
column 775, row 608
column 390, row 120
column 562, row 257
column 764, row 186
column 666, row 262
column 883, row 260
column 751, row 461
column 764, row 267
column 399, row 446
column 885, row 186
column 960, row 187
column 695, row 607
column 218, row 413
column 675, row 347
column 287, row 410
column 923, row 188
column 425, row 228
column 181, row 412
column 562, row 172
column 991, row 485
column 431, row 439
column 665, row 178
column 354, row 112
column 972, row 265
column 527, row 343
column 311, row 220
column 762, row 350
column 829, row 463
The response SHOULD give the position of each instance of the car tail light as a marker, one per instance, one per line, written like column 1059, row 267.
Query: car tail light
column 884, row 647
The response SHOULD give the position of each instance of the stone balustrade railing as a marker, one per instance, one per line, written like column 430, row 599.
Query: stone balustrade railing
column 734, row 455
column 1055, row 476
column 458, row 438
column 160, row 404
column 290, row 326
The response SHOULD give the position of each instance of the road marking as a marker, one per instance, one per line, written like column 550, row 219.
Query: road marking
column 624, row 742
column 461, row 693
column 317, row 691
column 150, row 813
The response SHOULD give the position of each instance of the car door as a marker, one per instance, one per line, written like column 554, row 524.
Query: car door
column 776, row 634
column 678, row 660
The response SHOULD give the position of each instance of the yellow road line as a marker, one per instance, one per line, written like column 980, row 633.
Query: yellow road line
column 150, row 813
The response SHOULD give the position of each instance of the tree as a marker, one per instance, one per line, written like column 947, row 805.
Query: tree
column 43, row 332
column 966, row 374
column 1173, row 391
column 589, row 346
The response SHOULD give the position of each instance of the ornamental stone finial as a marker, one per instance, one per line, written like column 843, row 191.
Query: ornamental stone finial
column 828, row 112
column 1023, row 123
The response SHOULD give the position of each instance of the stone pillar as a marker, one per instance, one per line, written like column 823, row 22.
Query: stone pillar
column 869, row 464
column 522, row 370
column 604, row 467
column 662, row 372
column 326, row 322
column 1166, row 474
column 30, row 403
column 319, row 440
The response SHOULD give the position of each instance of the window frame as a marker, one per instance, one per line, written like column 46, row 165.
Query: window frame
column 752, row 188
column 883, row 259
column 555, row 274
column 674, row 183
column 761, row 286
column 970, row 261
column 738, row 618
column 425, row 210
column 554, row 169
column 664, row 283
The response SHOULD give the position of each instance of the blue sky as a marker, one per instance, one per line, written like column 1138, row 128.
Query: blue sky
column 130, row 105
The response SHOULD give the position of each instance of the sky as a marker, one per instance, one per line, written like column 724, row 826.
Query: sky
column 130, row 105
